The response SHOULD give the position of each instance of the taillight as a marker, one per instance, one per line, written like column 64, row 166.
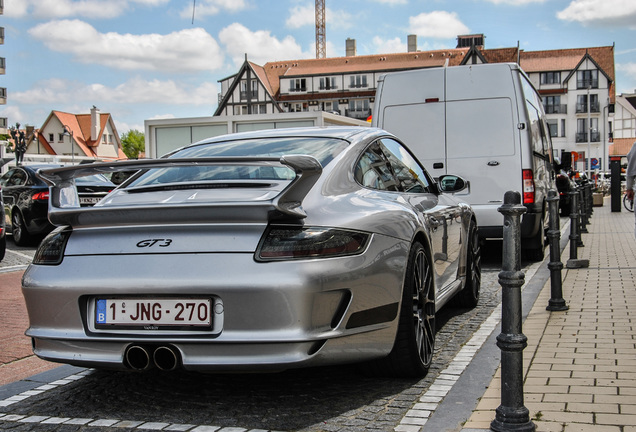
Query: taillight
column 40, row 196
column 289, row 242
column 528, row 187
column 51, row 249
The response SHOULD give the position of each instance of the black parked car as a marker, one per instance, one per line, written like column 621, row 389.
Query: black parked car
column 26, row 200
column 3, row 236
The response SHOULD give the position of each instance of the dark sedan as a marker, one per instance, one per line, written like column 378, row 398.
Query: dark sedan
column 26, row 200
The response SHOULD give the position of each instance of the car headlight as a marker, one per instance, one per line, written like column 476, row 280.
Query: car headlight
column 51, row 249
column 285, row 242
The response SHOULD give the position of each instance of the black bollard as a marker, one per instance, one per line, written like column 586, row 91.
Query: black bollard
column 511, row 415
column 556, row 302
column 583, row 215
column 575, row 237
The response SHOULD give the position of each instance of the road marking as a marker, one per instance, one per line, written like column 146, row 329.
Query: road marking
column 23, row 255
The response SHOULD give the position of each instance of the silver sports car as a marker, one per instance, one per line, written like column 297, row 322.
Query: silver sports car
column 266, row 250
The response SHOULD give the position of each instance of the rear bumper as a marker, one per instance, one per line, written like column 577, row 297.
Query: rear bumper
column 273, row 315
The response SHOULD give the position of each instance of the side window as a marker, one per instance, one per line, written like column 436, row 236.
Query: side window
column 409, row 173
column 373, row 170
column 4, row 180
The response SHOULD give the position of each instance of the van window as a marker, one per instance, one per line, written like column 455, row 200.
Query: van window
column 539, row 129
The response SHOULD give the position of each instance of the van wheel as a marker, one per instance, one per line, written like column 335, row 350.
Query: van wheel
column 534, row 249
column 468, row 297
column 412, row 352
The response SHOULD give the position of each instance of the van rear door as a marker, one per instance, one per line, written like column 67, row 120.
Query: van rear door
column 482, row 138
column 412, row 107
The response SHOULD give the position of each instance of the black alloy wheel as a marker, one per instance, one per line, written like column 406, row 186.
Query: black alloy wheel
column 18, row 229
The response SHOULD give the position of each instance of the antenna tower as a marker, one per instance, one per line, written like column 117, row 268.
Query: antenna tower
column 321, row 49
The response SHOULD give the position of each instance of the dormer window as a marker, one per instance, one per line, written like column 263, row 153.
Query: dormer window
column 587, row 79
column 328, row 83
column 357, row 81
column 297, row 85
column 550, row 77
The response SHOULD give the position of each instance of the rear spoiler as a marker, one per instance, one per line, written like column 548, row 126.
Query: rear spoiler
column 64, row 206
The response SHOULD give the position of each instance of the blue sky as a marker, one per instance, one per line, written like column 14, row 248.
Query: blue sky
column 147, row 59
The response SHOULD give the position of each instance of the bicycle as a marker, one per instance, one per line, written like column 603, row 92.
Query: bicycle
column 628, row 203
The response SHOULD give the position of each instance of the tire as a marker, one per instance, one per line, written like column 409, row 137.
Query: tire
column 628, row 204
column 468, row 297
column 412, row 352
column 534, row 249
column 21, row 236
column 3, row 246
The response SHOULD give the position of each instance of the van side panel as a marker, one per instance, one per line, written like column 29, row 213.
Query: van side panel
column 482, row 146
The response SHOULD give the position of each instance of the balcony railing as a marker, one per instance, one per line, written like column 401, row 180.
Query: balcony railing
column 581, row 137
column 581, row 107
column 556, row 109
column 594, row 107
column 586, row 83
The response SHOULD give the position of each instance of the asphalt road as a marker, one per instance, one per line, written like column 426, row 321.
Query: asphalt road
column 308, row 400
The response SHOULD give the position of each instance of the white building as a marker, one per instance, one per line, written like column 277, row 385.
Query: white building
column 577, row 86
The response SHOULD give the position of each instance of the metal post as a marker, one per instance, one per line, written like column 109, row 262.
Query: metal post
column 575, row 237
column 556, row 302
column 582, row 210
column 511, row 415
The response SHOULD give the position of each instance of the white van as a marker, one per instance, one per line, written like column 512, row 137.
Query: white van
column 485, row 122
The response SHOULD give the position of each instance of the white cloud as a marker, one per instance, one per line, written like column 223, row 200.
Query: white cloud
column 54, row 9
column 437, row 24
column 183, row 51
column 389, row 46
column 392, row 2
column 516, row 2
column 211, row 7
column 260, row 46
column 305, row 16
column 55, row 92
column 601, row 13
column 300, row 16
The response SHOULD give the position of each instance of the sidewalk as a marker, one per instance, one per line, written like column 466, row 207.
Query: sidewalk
column 16, row 356
column 580, row 365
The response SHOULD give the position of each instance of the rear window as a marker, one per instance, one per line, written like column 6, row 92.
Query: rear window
column 323, row 149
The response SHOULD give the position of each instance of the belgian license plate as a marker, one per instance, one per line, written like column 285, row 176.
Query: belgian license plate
column 89, row 200
column 172, row 312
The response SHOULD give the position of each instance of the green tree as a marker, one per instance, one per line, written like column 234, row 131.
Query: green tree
column 133, row 143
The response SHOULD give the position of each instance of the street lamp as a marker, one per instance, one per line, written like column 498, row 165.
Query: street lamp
column 69, row 133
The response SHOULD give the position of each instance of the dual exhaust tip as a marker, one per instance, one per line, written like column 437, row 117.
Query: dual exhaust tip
column 143, row 358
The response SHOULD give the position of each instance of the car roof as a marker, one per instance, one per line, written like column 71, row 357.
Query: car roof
column 347, row 133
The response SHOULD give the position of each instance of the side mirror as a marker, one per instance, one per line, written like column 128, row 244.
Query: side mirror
column 451, row 183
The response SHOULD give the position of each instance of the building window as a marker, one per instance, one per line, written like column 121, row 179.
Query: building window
column 563, row 127
column 358, row 81
column 581, row 104
column 299, row 84
column 587, row 79
column 51, row 137
column 262, row 109
column 550, row 77
column 552, row 105
column 581, row 130
column 60, row 137
column 553, row 125
column 328, row 83
column 594, row 106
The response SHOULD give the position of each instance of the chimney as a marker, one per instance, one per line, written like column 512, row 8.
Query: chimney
column 412, row 43
column 351, row 48
column 95, row 123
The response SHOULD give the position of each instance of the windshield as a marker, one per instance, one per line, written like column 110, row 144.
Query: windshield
column 323, row 149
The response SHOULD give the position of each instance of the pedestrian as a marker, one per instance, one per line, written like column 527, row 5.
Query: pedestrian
column 630, row 176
